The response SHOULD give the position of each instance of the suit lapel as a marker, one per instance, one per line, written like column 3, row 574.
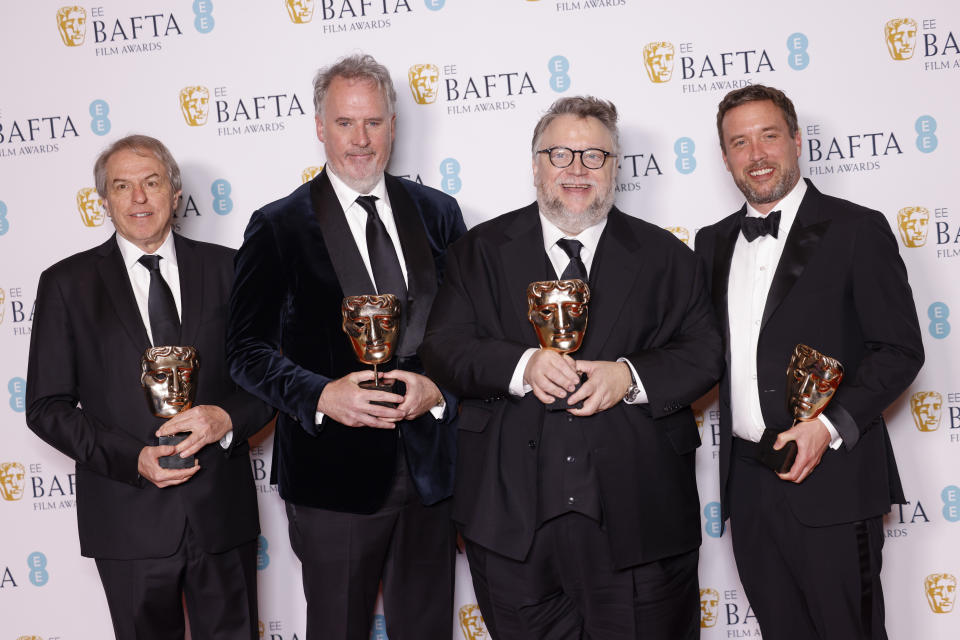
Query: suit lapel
column 341, row 247
column 523, row 260
column 421, row 269
column 116, row 282
column 722, row 258
column 191, row 273
column 616, row 266
column 802, row 242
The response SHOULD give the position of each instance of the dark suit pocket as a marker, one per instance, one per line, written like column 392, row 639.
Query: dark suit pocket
column 473, row 418
column 684, row 436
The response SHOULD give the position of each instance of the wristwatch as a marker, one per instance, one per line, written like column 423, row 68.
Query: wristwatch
column 633, row 390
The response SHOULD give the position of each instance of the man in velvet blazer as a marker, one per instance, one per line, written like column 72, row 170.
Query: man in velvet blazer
column 354, row 475
column 586, row 522
column 84, row 397
column 826, row 273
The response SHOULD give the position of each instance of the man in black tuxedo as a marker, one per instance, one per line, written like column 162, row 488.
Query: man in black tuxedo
column 796, row 266
column 158, row 535
column 355, row 476
column 585, row 522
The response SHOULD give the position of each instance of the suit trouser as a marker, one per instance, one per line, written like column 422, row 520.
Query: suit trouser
column 146, row 595
column 409, row 546
column 567, row 589
column 804, row 583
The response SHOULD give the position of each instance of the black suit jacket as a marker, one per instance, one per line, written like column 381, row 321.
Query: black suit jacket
column 841, row 288
column 648, row 303
column 84, row 398
column 286, row 341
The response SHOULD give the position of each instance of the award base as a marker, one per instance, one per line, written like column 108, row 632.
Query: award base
column 560, row 404
column 780, row 460
column 175, row 461
column 396, row 386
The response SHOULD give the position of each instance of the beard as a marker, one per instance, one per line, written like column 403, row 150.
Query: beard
column 571, row 222
column 775, row 192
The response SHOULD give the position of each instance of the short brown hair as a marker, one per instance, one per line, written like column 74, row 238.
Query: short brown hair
column 582, row 107
column 754, row 93
column 142, row 145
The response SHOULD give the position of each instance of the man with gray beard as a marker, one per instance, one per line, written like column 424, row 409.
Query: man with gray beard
column 583, row 522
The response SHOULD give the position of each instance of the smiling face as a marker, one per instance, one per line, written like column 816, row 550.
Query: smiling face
column 373, row 323
column 558, row 311
column 140, row 199
column 574, row 198
column 357, row 130
column 760, row 153
column 812, row 379
column 167, row 377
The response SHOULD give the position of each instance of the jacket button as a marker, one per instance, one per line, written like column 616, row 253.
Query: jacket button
column 532, row 444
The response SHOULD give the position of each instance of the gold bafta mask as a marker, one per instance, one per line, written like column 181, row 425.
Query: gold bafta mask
column 309, row 174
column 72, row 25
column 812, row 379
column 925, row 407
column 901, row 36
column 261, row 629
column 12, row 480
column 913, row 223
column 709, row 607
column 682, row 234
column 658, row 60
column 29, row 638
column 168, row 377
column 300, row 11
column 90, row 206
column 424, row 82
column 471, row 623
column 195, row 105
column 373, row 323
column 941, row 590
column 558, row 311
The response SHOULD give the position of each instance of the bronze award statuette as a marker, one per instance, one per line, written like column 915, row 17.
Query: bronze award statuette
column 373, row 324
column 812, row 379
column 557, row 309
column 168, row 377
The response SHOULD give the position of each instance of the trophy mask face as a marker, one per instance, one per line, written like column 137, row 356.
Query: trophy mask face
column 373, row 324
column 658, row 60
column 941, row 589
column 709, row 607
column 167, row 377
column 812, row 379
column 558, row 311
column 913, row 223
column 901, row 38
column 72, row 24
column 195, row 105
column 90, row 206
column 471, row 623
column 300, row 11
column 926, row 408
column 12, row 476
column 424, row 80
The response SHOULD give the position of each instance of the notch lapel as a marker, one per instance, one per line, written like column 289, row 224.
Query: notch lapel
column 113, row 273
column 722, row 259
column 191, row 271
column 524, row 261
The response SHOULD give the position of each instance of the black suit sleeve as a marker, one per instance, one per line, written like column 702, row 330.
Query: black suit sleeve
column 53, row 392
column 888, row 323
column 254, row 352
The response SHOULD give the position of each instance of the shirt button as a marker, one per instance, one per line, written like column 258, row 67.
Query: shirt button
column 763, row 268
column 571, row 500
column 569, row 418
column 571, row 459
column 754, row 376
column 532, row 444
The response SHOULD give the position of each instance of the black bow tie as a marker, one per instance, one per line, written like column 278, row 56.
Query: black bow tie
column 753, row 228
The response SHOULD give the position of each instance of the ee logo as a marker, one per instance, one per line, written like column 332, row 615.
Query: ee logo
column 684, row 148
column 450, row 180
column 18, row 389
column 4, row 223
column 37, row 562
column 222, row 204
column 714, row 526
column 558, row 67
column 938, row 313
column 951, row 503
column 263, row 558
column 926, row 140
column 798, row 58
column 100, row 123
column 203, row 12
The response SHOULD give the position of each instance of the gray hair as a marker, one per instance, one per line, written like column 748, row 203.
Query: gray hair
column 141, row 145
column 357, row 66
column 581, row 107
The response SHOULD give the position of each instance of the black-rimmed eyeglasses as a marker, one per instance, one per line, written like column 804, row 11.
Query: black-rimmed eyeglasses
column 562, row 157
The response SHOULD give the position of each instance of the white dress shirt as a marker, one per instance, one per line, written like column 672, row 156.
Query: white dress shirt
column 751, row 272
column 589, row 238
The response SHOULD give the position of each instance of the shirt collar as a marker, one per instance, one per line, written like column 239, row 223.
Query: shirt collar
column 788, row 207
column 589, row 237
column 131, row 253
column 347, row 196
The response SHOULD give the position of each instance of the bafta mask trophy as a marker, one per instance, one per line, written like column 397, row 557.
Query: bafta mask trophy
column 812, row 379
column 557, row 309
column 168, row 377
column 373, row 324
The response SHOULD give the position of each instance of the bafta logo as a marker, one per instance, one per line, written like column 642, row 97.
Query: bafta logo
column 90, row 206
column 12, row 476
column 912, row 223
column 682, row 234
column 471, row 623
column 901, row 36
column 424, row 82
column 72, row 25
column 941, row 590
column 29, row 638
column 709, row 607
column 925, row 407
column 300, row 11
column 309, row 174
column 195, row 105
column 658, row 60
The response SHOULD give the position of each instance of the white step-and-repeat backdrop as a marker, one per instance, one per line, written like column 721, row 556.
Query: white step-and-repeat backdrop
column 227, row 86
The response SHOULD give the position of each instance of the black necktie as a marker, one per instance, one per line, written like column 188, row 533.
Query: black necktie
column 383, row 255
column 161, row 307
column 575, row 268
column 753, row 228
